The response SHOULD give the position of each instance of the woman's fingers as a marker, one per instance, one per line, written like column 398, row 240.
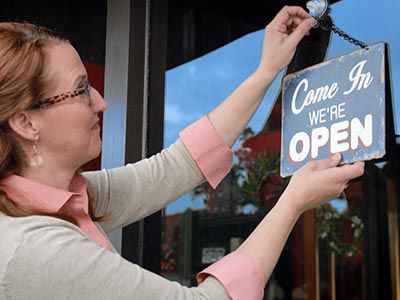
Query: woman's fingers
column 323, row 164
column 348, row 172
column 352, row 171
column 320, row 181
column 288, row 15
column 342, row 173
column 282, row 36
column 294, row 22
column 301, row 30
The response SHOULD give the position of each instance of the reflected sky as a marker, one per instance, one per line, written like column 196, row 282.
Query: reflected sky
column 197, row 87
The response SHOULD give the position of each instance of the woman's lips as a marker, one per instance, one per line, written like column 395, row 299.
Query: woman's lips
column 96, row 124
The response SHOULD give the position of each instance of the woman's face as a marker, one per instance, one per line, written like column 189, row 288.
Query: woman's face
column 69, row 133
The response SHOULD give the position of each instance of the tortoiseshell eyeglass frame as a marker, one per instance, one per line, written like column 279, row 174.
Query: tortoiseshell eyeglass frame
column 42, row 104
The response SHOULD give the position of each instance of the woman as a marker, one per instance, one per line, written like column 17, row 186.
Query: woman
column 53, row 235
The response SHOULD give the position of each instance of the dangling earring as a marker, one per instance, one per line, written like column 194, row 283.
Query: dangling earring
column 36, row 160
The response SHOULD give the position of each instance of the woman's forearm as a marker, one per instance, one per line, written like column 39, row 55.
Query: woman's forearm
column 231, row 117
column 266, row 242
column 281, row 38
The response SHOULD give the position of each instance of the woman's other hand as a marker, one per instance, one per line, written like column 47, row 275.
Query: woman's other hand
column 282, row 36
column 319, row 182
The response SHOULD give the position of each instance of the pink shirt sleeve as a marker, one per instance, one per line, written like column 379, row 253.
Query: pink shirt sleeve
column 212, row 155
column 240, row 276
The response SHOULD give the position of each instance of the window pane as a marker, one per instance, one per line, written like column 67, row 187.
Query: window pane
column 204, row 225
column 370, row 22
column 330, row 253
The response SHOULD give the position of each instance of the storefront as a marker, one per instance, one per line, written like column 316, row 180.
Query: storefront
column 162, row 65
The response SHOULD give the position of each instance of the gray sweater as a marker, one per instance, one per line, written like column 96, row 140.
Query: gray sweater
column 49, row 258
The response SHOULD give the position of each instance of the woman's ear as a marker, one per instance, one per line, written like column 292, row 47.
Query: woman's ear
column 24, row 125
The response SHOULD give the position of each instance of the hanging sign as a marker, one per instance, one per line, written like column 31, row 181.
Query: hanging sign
column 337, row 106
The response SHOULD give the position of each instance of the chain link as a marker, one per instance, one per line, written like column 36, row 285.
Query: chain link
column 327, row 24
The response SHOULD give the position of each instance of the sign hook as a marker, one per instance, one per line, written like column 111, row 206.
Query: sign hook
column 318, row 8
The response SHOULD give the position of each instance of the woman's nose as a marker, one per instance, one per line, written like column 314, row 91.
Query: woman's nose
column 99, row 104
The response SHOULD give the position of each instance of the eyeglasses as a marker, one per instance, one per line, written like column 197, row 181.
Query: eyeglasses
column 42, row 104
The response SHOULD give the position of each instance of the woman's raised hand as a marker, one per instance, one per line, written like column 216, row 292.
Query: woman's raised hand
column 320, row 181
column 282, row 36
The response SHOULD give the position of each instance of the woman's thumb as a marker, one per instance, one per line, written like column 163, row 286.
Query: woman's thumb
column 304, row 27
column 331, row 162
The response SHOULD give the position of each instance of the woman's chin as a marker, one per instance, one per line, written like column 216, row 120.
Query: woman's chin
column 98, row 150
column 95, row 151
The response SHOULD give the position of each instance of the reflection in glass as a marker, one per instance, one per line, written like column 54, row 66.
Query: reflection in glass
column 325, row 256
column 341, row 230
column 206, row 224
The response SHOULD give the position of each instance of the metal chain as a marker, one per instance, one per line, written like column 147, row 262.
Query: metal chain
column 327, row 24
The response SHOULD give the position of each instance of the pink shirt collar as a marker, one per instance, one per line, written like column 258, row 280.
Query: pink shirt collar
column 40, row 197
column 34, row 195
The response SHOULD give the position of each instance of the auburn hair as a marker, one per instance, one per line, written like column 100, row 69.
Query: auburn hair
column 22, row 84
